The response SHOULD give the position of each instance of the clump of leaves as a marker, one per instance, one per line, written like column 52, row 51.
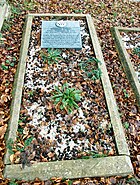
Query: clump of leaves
column 6, row 26
column 13, row 182
column 51, row 56
column 66, row 97
column 15, row 10
column 4, row 67
column 10, row 146
column 1, row 39
column 27, row 143
column 91, row 70
column 137, row 51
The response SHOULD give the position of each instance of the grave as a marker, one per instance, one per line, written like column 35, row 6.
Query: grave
column 120, row 164
column 126, row 61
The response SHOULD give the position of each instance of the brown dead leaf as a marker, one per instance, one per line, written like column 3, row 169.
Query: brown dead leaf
column 2, row 131
column 12, row 158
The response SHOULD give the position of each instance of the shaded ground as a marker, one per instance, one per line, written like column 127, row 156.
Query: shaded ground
column 106, row 14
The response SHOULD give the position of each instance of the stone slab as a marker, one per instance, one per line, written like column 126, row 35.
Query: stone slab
column 121, row 144
column 107, row 166
column 126, row 61
column 61, row 34
column 4, row 11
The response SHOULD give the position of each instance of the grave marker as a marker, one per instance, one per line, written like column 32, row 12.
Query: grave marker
column 61, row 34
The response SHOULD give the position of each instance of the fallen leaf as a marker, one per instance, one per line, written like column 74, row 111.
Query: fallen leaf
column 2, row 131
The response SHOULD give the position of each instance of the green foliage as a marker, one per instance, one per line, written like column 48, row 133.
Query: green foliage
column 10, row 145
column 29, row 5
column 90, row 69
column 12, row 182
column 28, row 141
column 137, row 51
column 95, row 155
column 133, row 180
column 6, row 26
column 1, row 39
column 31, row 93
column 126, row 125
column 20, row 130
column 15, row 10
column 125, row 93
column 52, row 56
column 66, row 97
column 12, row 64
column 4, row 67
column 70, row 182
column 43, row 56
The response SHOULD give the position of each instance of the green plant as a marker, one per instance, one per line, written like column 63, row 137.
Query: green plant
column 29, row 5
column 126, row 125
column 6, row 26
column 66, row 97
column 15, row 10
column 125, row 93
column 133, row 180
column 4, row 67
column 20, row 130
column 10, row 146
column 70, row 182
column 90, row 69
column 10, row 63
column 137, row 51
column 12, row 182
column 31, row 93
column 115, row 15
column 1, row 39
column 27, row 142
column 52, row 56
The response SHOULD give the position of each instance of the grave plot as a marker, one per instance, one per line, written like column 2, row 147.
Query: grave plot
column 127, row 42
column 64, row 119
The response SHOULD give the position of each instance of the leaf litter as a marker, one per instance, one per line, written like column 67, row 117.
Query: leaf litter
column 106, row 14
column 58, row 134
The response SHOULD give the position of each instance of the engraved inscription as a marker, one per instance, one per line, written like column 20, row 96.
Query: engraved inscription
column 61, row 37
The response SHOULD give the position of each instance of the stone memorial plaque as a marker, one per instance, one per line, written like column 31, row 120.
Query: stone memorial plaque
column 61, row 34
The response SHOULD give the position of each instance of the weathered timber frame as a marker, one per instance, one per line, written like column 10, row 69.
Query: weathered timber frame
column 126, row 61
column 107, row 166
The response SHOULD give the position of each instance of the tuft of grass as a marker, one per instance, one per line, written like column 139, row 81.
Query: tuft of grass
column 66, row 97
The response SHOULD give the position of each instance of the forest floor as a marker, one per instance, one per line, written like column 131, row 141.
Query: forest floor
column 106, row 14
